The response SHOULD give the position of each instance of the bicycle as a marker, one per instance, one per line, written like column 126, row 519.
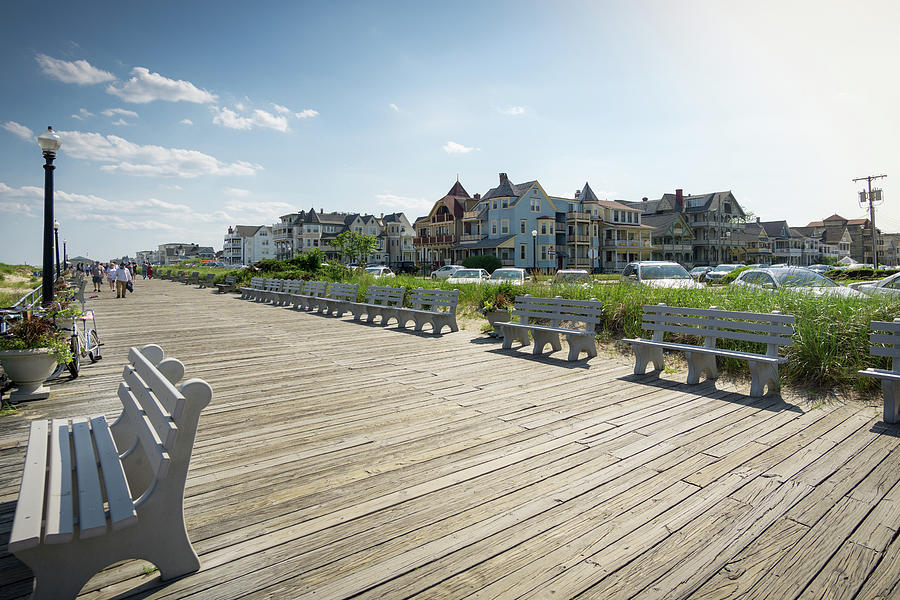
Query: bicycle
column 84, row 341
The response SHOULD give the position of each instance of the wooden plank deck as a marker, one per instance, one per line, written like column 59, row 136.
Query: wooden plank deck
column 340, row 459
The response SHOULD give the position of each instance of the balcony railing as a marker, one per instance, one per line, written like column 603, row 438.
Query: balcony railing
column 579, row 239
column 434, row 239
column 441, row 218
column 471, row 237
column 627, row 243
column 476, row 215
column 673, row 247
column 578, row 216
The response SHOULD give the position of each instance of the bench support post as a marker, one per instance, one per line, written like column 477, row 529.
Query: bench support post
column 579, row 343
column 761, row 375
column 511, row 334
column 644, row 355
column 891, row 391
column 700, row 363
column 543, row 338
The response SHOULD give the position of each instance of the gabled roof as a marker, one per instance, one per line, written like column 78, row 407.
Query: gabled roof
column 858, row 222
column 247, row 231
column 776, row 228
column 663, row 222
column 497, row 242
column 833, row 235
column 648, row 208
column 711, row 201
column 816, row 224
column 835, row 217
column 458, row 191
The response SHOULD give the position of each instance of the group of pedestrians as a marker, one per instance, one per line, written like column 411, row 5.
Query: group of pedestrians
column 119, row 277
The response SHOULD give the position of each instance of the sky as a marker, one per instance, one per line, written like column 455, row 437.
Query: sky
column 179, row 119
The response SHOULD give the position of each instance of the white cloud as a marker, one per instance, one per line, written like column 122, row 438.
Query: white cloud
column 109, row 112
column 83, row 114
column 412, row 206
column 454, row 148
column 260, row 118
column 186, row 122
column 513, row 110
column 79, row 71
column 19, row 130
column 239, row 106
column 144, row 87
column 123, row 156
column 120, row 122
column 237, row 192
column 307, row 113
column 267, row 212
column 394, row 107
column 281, row 109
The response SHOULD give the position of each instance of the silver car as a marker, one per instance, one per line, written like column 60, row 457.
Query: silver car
column 658, row 273
column 888, row 286
column 468, row 276
column 793, row 278
column 445, row 271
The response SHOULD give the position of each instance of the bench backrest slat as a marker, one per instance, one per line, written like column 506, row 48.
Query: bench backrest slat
column 884, row 339
column 229, row 279
column 385, row 295
column 118, row 494
column 157, row 456
column 156, row 413
column 557, row 310
column 159, row 379
column 293, row 286
column 91, row 515
column 434, row 300
column 314, row 289
column 30, row 511
column 344, row 291
column 717, row 312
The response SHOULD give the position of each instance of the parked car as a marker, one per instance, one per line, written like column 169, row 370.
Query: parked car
column 820, row 269
column 658, row 273
column 719, row 272
column 888, row 286
column 511, row 275
column 699, row 273
column 578, row 277
column 380, row 271
column 793, row 278
column 445, row 271
column 468, row 276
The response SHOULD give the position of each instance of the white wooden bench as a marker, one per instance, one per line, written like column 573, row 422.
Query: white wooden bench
column 93, row 493
column 256, row 284
column 435, row 306
column 381, row 301
column 885, row 338
column 339, row 297
column 544, row 318
column 271, row 290
column 308, row 298
column 228, row 286
column 288, row 289
column 772, row 330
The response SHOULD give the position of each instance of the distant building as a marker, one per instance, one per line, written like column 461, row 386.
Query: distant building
column 173, row 253
column 440, row 231
column 248, row 244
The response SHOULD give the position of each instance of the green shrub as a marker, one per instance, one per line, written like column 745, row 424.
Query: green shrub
column 308, row 261
column 488, row 262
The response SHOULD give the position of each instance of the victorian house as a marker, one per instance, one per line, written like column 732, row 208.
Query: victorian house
column 439, row 232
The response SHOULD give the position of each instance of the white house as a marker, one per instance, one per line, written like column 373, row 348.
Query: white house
column 247, row 244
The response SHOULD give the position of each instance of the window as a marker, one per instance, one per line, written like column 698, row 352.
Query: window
column 543, row 252
column 522, row 225
column 494, row 204
column 551, row 228
column 544, row 228
column 615, row 216
column 536, row 205
column 504, row 203
column 493, row 227
column 504, row 226
column 522, row 251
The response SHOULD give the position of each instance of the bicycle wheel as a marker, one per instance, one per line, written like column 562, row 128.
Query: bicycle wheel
column 94, row 346
column 75, row 364
column 57, row 371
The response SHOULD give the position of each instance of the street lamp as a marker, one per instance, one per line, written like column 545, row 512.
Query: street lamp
column 65, row 257
column 56, row 244
column 49, row 143
column 534, row 249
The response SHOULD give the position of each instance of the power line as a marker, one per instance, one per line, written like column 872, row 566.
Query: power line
column 863, row 197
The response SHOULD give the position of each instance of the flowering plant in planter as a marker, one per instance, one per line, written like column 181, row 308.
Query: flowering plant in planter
column 37, row 333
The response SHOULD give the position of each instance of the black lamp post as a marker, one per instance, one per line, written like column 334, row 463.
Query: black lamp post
column 534, row 250
column 56, row 244
column 49, row 143
column 65, row 257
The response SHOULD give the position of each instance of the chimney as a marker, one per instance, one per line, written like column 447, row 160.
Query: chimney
column 381, row 216
column 321, row 211
column 477, row 197
column 644, row 199
column 503, row 177
column 577, row 193
column 679, row 200
column 757, row 220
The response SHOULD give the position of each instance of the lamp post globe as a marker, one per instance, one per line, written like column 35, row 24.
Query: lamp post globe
column 49, row 142
column 534, row 250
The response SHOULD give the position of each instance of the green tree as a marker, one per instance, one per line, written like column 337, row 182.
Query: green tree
column 488, row 262
column 354, row 247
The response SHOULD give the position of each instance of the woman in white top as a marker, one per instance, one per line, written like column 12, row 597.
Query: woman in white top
column 111, row 276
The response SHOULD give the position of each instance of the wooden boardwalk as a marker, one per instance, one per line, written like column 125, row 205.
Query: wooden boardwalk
column 340, row 460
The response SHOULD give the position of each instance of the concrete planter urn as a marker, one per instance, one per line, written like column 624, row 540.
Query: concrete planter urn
column 496, row 316
column 28, row 369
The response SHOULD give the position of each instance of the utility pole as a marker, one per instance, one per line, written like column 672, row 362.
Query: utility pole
column 871, row 199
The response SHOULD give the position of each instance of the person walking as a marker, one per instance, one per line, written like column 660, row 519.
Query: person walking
column 149, row 271
column 97, row 272
column 123, row 276
column 111, row 276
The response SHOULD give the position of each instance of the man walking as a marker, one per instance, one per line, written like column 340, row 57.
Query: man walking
column 123, row 276
column 97, row 275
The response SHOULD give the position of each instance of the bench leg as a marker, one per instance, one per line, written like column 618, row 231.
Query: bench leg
column 644, row 355
column 891, row 391
column 698, row 364
column 761, row 375
column 438, row 322
column 579, row 343
column 542, row 338
column 511, row 334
